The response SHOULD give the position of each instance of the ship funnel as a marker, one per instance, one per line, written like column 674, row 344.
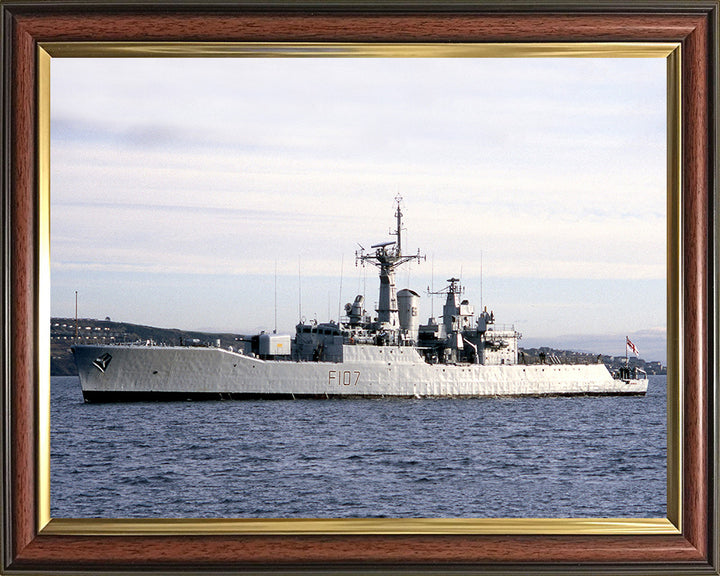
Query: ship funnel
column 408, row 302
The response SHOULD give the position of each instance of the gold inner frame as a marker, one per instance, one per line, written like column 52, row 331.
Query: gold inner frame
column 586, row 526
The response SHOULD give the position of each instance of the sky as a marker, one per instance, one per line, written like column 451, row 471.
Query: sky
column 232, row 194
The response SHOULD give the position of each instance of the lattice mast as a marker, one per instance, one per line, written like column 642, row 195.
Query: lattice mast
column 388, row 257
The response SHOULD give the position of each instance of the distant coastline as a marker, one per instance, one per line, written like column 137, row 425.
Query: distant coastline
column 94, row 331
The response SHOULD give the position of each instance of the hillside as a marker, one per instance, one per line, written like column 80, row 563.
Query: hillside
column 91, row 331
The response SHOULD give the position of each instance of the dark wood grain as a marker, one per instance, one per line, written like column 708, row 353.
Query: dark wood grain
column 696, row 202
column 360, row 28
column 22, row 260
column 219, row 552
column 689, row 552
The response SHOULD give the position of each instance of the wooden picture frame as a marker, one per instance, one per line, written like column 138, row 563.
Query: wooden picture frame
column 31, row 543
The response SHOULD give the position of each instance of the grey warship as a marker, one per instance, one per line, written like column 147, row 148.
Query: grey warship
column 463, row 354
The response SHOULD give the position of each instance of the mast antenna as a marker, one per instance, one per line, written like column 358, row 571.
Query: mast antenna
column 432, row 286
column 275, row 329
column 342, row 262
column 398, row 226
column 481, row 281
column 76, row 318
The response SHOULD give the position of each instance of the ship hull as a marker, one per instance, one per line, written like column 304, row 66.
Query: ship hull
column 139, row 373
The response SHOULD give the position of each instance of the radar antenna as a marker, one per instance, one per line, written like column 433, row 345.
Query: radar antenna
column 384, row 256
column 454, row 287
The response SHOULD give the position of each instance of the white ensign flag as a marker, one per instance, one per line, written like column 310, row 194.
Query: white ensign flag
column 630, row 347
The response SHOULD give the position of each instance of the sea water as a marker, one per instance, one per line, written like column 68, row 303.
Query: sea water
column 368, row 458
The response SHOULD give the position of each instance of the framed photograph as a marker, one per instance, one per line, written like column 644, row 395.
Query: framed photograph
column 320, row 83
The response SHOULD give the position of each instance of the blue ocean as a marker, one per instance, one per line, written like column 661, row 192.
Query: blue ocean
column 370, row 458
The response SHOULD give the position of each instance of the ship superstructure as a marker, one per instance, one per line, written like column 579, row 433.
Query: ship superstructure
column 391, row 354
column 459, row 338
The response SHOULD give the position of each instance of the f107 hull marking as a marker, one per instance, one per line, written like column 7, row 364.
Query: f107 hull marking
column 344, row 377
